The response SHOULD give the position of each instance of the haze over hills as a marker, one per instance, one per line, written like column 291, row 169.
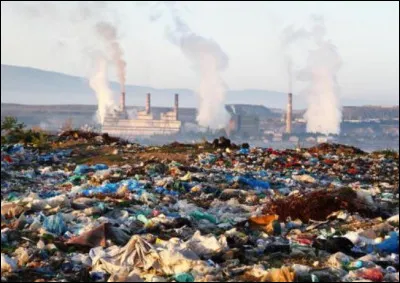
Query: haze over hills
column 25, row 85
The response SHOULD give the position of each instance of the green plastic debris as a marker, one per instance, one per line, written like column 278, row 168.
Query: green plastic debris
column 314, row 278
column 76, row 179
column 102, row 206
column 200, row 215
column 12, row 197
column 187, row 177
column 277, row 227
column 184, row 277
column 142, row 219
column 175, row 164
column 179, row 187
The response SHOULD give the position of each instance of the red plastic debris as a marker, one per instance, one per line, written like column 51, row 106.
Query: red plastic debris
column 8, row 159
column 352, row 171
column 373, row 274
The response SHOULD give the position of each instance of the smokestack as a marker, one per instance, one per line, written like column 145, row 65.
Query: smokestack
column 176, row 106
column 123, row 101
column 289, row 114
column 148, row 103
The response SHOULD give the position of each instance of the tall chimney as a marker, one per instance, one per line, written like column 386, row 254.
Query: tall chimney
column 123, row 101
column 289, row 114
column 148, row 103
column 176, row 106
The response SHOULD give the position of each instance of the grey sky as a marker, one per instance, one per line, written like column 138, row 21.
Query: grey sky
column 365, row 33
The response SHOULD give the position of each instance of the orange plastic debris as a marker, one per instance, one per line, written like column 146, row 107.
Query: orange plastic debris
column 264, row 219
column 265, row 222
column 285, row 274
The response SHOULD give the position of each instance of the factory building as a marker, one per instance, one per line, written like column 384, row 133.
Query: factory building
column 145, row 124
column 244, row 120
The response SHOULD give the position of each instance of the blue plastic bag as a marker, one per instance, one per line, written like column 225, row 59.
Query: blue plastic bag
column 82, row 169
column 48, row 194
column 391, row 245
column 159, row 190
column 16, row 148
column 244, row 151
column 106, row 189
column 45, row 158
column 209, row 159
column 55, row 224
column 98, row 167
column 133, row 185
column 254, row 183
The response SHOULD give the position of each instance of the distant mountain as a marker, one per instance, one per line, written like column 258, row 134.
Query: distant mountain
column 26, row 85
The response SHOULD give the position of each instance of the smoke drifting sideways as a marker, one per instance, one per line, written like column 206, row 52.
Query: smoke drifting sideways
column 324, row 113
column 208, row 59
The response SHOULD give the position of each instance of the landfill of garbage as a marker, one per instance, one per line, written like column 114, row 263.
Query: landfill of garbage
column 95, row 208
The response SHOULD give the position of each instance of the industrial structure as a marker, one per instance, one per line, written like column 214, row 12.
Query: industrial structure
column 145, row 124
column 245, row 120
column 289, row 114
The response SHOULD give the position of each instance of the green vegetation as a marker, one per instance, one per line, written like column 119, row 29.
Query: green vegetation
column 14, row 132
column 11, row 124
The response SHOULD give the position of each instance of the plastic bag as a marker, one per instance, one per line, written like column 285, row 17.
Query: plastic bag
column 254, row 183
column 55, row 224
column 98, row 167
column 268, row 223
column 10, row 210
column 373, row 274
column 7, row 263
column 284, row 274
column 244, row 151
column 200, row 215
column 82, row 169
column 22, row 255
column 184, row 277
column 390, row 245
column 204, row 245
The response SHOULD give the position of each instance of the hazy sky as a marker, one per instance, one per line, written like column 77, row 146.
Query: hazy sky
column 366, row 35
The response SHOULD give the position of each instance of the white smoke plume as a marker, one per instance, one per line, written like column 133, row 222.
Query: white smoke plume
column 209, row 60
column 99, row 83
column 108, row 33
column 85, row 19
column 323, row 113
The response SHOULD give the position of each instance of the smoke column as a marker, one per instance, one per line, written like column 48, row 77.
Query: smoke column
column 109, row 34
column 323, row 113
column 99, row 83
column 86, row 17
column 290, row 78
column 209, row 61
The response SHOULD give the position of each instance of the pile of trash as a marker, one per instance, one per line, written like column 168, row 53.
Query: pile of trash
column 225, row 212
column 87, row 136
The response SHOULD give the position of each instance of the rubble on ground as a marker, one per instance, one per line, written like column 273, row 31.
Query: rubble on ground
column 96, row 208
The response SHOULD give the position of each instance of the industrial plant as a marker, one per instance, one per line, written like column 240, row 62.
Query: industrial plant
column 146, row 123
column 245, row 120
